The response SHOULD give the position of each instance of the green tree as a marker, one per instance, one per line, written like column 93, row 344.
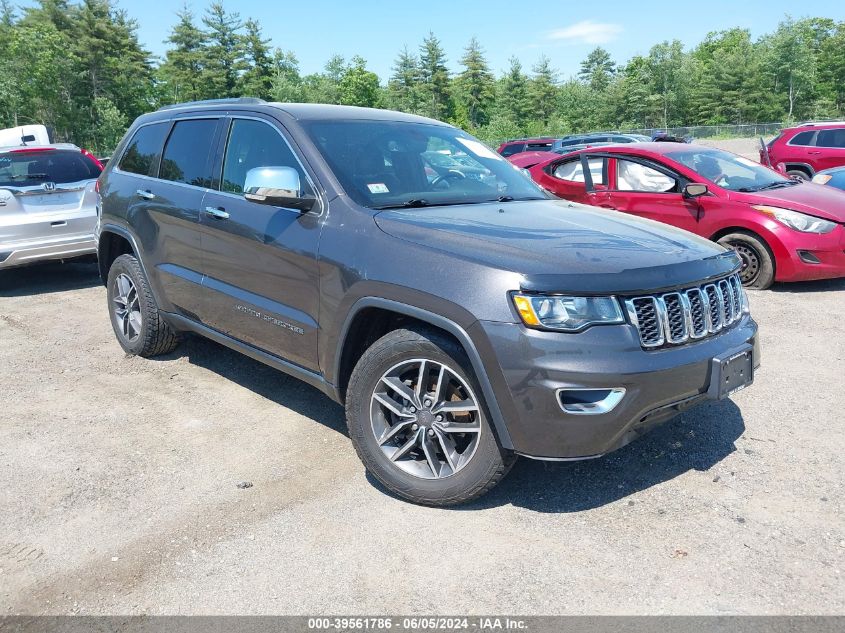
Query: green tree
column 543, row 91
column 224, row 52
column 434, row 80
column 257, row 81
column 183, row 63
column 791, row 64
column 475, row 85
column 403, row 87
column 598, row 69
column 512, row 100
column 286, row 84
column 359, row 86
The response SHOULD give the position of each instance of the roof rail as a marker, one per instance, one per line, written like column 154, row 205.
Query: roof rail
column 812, row 123
column 212, row 102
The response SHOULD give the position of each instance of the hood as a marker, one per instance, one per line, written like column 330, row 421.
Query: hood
column 808, row 197
column 560, row 246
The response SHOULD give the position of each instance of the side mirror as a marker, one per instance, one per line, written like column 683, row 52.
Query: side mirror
column 694, row 190
column 277, row 187
column 27, row 138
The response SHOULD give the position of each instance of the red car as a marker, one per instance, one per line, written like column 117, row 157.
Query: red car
column 803, row 150
column 783, row 229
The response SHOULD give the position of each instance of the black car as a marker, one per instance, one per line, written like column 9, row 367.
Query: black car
column 461, row 320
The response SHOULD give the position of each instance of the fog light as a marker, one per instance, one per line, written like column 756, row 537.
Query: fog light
column 590, row 401
column 808, row 258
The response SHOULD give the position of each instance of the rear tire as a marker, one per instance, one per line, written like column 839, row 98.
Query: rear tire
column 133, row 312
column 798, row 173
column 408, row 431
column 758, row 266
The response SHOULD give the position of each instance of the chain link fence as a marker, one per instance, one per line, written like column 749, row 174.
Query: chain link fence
column 746, row 130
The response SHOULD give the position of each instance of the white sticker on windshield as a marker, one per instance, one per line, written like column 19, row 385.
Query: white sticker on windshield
column 479, row 149
column 378, row 187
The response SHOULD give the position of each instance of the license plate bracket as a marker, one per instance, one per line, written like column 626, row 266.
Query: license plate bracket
column 731, row 372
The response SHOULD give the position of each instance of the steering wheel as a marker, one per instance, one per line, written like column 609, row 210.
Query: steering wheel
column 451, row 174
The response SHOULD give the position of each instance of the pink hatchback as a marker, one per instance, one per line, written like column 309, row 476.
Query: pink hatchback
column 784, row 229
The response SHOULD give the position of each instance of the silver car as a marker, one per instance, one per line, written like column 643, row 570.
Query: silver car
column 48, row 203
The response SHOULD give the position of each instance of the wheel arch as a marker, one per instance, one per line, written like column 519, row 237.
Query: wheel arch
column 752, row 232
column 113, row 242
column 372, row 317
column 805, row 167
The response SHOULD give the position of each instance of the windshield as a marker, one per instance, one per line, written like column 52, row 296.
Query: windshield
column 383, row 164
column 729, row 171
column 22, row 168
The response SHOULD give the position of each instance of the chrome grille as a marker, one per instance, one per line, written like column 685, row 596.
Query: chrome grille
column 675, row 318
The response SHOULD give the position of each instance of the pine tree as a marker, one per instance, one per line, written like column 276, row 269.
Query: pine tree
column 404, row 85
column 476, row 85
column 183, row 64
column 257, row 81
column 224, row 57
column 434, row 78
column 512, row 100
column 542, row 91
column 598, row 69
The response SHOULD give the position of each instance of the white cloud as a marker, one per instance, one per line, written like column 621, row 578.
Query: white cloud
column 586, row 32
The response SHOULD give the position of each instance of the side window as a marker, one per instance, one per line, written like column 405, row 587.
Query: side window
column 631, row 176
column 510, row 150
column 186, row 155
column 254, row 144
column 831, row 138
column 143, row 150
column 803, row 138
column 538, row 147
column 574, row 172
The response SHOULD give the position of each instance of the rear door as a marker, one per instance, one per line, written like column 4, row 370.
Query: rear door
column 260, row 262
column 162, row 178
column 649, row 190
column 830, row 149
column 566, row 179
column 46, row 196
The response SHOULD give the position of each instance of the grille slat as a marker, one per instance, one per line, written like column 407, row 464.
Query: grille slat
column 675, row 318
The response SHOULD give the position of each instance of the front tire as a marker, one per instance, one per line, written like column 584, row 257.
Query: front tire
column 133, row 312
column 758, row 266
column 418, row 421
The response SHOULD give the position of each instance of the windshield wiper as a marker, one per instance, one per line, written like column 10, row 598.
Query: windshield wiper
column 413, row 203
column 771, row 185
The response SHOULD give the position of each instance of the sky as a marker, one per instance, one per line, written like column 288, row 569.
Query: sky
column 563, row 30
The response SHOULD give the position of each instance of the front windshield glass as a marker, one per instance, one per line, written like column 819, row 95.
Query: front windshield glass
column 729, row 171
column 383, row 164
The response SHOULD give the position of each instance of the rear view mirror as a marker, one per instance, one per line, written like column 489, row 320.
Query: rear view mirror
column 694, row 190
column 278, row 187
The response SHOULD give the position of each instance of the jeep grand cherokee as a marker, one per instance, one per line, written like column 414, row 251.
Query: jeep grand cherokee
column 461, row 315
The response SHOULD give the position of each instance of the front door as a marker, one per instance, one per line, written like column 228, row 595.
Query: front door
column 650, row 192
column 261, row 282
column 566, row 180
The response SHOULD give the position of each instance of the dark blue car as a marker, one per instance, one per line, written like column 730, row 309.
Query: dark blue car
column 834, row 177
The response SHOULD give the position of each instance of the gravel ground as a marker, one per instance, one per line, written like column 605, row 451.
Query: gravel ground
column 748, row 147
column 120, row 487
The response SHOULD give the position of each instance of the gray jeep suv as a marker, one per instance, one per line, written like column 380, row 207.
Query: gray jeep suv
column 461, row 315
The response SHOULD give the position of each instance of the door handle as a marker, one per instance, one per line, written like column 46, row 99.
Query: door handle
column 217, row 213
column 145, row 194
column 814, row 152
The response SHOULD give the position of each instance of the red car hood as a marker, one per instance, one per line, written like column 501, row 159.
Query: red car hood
column 819, row 200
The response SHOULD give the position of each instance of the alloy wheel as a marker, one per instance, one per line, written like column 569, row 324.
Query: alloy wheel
column 425, row 418
column 127, row 308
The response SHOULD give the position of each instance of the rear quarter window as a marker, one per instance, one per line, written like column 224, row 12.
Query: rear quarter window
column 143, row 151
column 515, row 148
column 803, row 139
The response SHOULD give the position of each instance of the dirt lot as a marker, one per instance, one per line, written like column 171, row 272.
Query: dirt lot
column 119, row 487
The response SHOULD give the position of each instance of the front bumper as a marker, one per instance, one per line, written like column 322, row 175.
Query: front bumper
column 66, row 247
column 532, row 366
column 828, row 249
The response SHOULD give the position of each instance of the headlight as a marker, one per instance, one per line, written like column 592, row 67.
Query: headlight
column 822, row 179
column 798, row 221
column 568, row 314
